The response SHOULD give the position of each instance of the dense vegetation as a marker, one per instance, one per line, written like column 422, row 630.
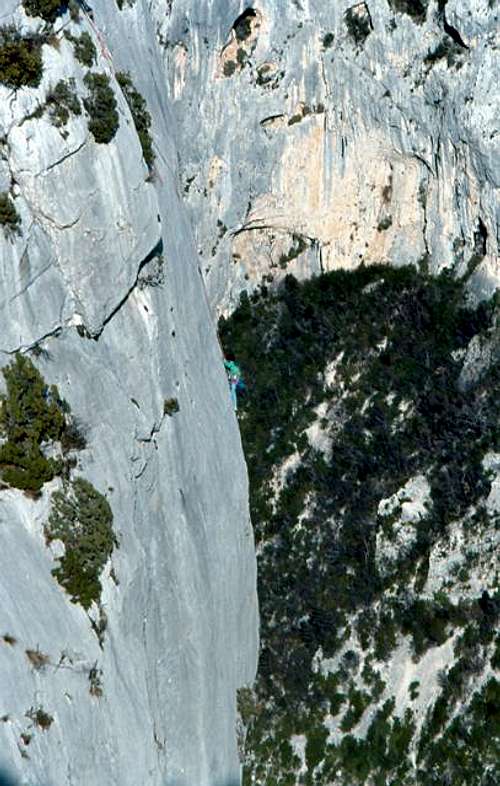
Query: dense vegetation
column 372, row 358
column 20, row 59
column 140, row 115
column 47, row 9
column 31, row 414
column 101, row 107
column 82, row 519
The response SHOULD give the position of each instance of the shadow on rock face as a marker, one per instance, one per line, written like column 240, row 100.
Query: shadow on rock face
column 6, row 780
column 183, row 783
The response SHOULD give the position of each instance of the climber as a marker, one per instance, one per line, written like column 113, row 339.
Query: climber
column 235, row 381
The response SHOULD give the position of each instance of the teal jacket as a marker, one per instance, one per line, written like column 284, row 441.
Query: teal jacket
column 233, row 368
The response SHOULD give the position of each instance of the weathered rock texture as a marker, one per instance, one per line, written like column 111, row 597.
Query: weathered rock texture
column 181, row 609
column 302, row 136
column 374, row 141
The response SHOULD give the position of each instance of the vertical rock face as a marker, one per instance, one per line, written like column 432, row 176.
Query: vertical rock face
column 289, row 137
column 369, row 130
column 100, row 286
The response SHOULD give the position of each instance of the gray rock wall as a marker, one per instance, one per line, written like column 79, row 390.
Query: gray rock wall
column 179, row 592
column 374, row 146
column 289, row 147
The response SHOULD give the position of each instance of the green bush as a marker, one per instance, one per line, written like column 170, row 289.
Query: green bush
column 26, row 467
column 10, row 220
column 40, row 718
column 429, row 622
column 417, row 9
column 448, row 50
column 82, row 518
column 20, row 59
column 398, row 333
column 328, row 40
column 30, row 410
column 384, row 224
column 170, row 406
column 468, row 749
column 85, row 51
column 31, row 414
column 358, row 25
column 47, row 9
column 413, row 689
column 229, row 67
column 62, row 100
column 101, row 108
column 73, row 436
column 358, row 702
column 243, row 25
column 298, row 246
column 385, row 636
column 140, row 115
column 315, row 746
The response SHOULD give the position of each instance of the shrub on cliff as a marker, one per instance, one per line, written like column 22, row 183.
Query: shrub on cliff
column 229, row 67
column 101, row 108
column 40, row 718
column 20, row 59
column 417, row 9
column 47, row 9
column 85, row 51
column 140, row 115
column 10, row 219
column 31, row 414
column 358, row 23
column 30, row 410
column 62, row 100
column 82, row 519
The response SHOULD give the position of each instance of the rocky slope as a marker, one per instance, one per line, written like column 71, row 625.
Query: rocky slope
column 101, row 289
column 315, row 135
column 371, row 429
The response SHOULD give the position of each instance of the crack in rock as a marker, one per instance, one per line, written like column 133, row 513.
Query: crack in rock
column 155, row 251
column 63, row 159
column 54, row 333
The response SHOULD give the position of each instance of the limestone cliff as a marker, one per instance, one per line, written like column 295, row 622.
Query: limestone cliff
column 100, row 288
column 316, row 135
column 288, row 136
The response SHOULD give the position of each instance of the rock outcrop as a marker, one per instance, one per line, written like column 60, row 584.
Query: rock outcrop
column 100, row 286
column 367, row 129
